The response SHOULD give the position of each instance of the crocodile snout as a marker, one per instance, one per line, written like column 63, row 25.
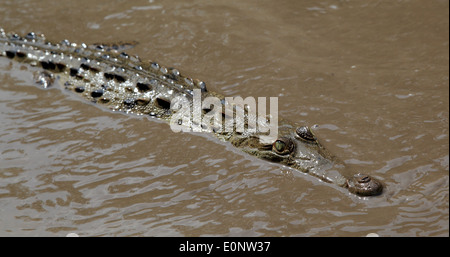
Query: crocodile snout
column 364, row 185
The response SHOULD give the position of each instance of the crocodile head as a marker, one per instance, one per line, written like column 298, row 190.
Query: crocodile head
column 298, row 148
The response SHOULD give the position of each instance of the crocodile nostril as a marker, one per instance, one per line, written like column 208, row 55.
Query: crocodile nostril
column 364, row 185
column 364, row 179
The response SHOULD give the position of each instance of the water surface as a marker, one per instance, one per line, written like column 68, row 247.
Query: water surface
column 373, row 76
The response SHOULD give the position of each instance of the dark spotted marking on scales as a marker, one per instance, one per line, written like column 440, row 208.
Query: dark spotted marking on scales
column 103, row 74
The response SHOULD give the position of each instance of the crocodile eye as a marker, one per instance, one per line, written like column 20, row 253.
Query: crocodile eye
column 281, row 147
column 305, row 133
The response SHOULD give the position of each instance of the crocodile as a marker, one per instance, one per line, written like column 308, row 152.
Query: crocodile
column 105, row 75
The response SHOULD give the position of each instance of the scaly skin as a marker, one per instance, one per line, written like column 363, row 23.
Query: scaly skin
column 120, row 82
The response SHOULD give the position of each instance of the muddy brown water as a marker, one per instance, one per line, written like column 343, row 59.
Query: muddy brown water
column 373, row 75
